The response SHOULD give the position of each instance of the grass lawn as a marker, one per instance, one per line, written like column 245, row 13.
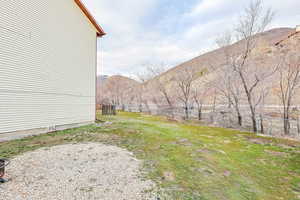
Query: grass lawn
column 190, row 161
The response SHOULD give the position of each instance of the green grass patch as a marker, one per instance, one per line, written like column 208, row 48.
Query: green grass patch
column 189, row 161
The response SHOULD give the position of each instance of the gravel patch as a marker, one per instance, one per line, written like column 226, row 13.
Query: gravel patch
column 76, row 171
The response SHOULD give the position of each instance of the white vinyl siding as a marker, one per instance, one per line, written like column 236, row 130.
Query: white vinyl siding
column 47, row 64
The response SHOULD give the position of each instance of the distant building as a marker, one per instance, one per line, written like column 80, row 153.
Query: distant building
column 48, row 64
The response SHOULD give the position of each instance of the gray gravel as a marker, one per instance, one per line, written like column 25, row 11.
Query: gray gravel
column 78, row 171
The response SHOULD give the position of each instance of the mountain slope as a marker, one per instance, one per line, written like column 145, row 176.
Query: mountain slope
column 113, row 87
column 265, row 55
column 267, row 39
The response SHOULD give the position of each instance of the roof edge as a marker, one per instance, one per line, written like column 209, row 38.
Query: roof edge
column 100, row 31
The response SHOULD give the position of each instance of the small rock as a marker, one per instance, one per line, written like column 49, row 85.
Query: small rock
column 169, row 176
column 227, row 173
column 183, row 140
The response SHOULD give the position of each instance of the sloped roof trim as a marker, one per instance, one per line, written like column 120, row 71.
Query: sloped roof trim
column 100, row 31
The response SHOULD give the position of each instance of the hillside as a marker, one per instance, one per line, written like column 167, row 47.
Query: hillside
column 113, row 87
column 265, row 55
column 268, row 39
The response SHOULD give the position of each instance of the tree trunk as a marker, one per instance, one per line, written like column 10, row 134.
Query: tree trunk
column 254, row 124
column 147, row 107
column 200, row 114
column 239, row 116
column 262, row 125
column 214, row 104
column 286, row 127
column 286, row 123
column 240, row 119
column 229, row 102
column 248, row 93
column 186, row 108
column 298, row 125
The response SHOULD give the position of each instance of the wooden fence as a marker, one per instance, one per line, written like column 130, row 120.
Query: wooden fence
column 108, row 109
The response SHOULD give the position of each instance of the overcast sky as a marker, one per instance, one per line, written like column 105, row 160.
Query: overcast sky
column 141, row 32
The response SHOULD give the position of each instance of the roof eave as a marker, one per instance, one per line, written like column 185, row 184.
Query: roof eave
column 100, row 31
column 100, row 35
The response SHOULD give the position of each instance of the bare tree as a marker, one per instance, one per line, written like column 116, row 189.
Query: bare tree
column 142, row 93
column 229, row 86
column 164, row 95
column 150, row 72
column 227, row 81
column 289, row 83
column 129, row 95
column 150, row 78
column 184, row 81
column 223, row 81
column 199, row 95
column 253, row 22
column 113, row 92
column 264, row 92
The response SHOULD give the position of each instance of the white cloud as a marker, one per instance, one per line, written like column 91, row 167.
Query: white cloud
column 287, row 13
column 130, row 60
column 130, row 42
column 208, row 6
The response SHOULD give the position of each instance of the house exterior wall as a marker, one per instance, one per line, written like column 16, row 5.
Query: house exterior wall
column 47, row 65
